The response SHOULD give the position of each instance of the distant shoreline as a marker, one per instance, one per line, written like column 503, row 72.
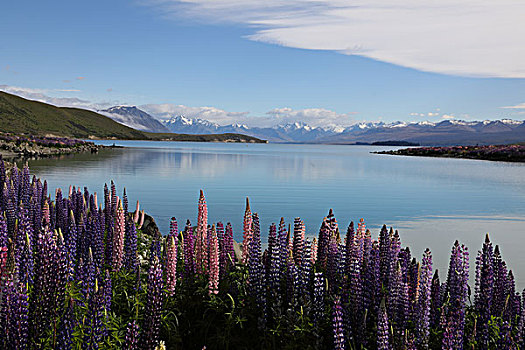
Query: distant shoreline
column 496, row 153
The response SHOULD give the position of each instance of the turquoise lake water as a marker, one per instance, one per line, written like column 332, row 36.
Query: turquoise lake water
column 431, row 201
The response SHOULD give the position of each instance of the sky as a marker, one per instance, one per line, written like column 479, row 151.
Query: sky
column 329, row 62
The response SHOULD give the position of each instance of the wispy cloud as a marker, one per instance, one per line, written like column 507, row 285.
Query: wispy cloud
column 311, row 116
column 213, row 114
column 42, row 95
column 468, row 37
column 518, row 106
column 81, row 78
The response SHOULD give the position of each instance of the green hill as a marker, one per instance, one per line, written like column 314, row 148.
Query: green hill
column 21, row 116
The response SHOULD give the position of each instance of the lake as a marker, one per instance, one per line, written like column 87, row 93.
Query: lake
column 431, row 201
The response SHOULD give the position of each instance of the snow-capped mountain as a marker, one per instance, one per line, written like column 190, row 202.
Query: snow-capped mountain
column 446, row 132
column 294, row 132
column 134, row 118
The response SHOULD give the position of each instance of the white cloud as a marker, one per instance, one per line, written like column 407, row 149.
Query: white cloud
column 518, row 106
column 212, row 114
column 42, row 95
column 312, row 116
column 448, row 116
column 468, row 37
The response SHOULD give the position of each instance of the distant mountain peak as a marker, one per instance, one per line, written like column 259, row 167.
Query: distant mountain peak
column 135, row 118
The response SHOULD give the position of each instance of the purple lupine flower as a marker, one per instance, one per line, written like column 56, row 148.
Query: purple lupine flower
column 384, row 255
column 255, row 267
column 500, row 283
column 371, row 281
column 213, row 279
column 423, row 301
column 333, row 264
column 435, row 301
column 483, row 292
column 189, row 248
column 298, row 241
column 228, row 245
column 457, row 287
column 18, row 309
column 171, row 263
column 95, row 318
column 306, row 271
column 318, row 298
column 3, row 230
column 337, row 324
column 274, row 276
column 383, row 329
column 130, row 247
column 114, row 204
column 125, row 202
column 201, row 251
column 283, row 246
column 66, row 328
column 131, row 341
column 118, row 238
column 153, row 310
column 247, row 232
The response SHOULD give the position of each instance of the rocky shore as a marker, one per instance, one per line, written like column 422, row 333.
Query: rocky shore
column 23, row 146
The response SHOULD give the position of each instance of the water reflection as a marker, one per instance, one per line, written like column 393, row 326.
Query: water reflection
column 431, row 201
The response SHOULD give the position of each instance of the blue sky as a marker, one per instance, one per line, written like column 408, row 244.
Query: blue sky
column 290, row 57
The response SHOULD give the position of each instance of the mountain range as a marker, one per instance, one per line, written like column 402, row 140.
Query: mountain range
column 22, row 116
column 446, row 132
column 443, row 133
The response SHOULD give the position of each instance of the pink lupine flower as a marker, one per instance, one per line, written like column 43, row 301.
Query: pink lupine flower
column 142, row 215
column 137, row 212
column 247, row 232
column 118, row 237
column 46, row 218
column 201, row 250
column 314, row 250
column 214, row 263
column 171, row 264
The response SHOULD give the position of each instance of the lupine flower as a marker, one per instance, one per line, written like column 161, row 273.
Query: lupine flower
column 318, row 298
column 136, row 213
column 457, row 280
column 171, row 263
column 298, row 241
column 153, row 309
column 484, row 291
column 118, row 237
column 283, row 245
column 247, row 232
column 94, row 320
column 337, row 324
column 228, row 245
column 189, row 248
column 201, row 250
column 255, row 266
column 131, row 341
column 423, row 302
column 383, row 342
column 274, row 278
column 213, row 279
column 130, row 247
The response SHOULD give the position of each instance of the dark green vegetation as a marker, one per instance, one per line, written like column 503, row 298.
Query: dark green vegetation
column 22, row 116
column 502, row 153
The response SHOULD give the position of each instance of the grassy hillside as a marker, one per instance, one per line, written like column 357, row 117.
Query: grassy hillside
column 22, row 116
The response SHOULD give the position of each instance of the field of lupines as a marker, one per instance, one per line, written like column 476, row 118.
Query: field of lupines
column 78, row 275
